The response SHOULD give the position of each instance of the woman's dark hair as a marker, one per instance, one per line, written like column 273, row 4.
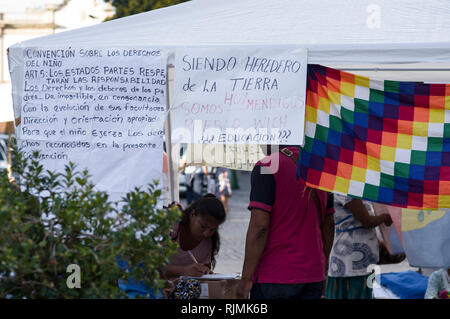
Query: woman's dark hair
column 208, row 205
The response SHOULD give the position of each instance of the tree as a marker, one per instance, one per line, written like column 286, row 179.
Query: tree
column 129, row 7
column 52, row 224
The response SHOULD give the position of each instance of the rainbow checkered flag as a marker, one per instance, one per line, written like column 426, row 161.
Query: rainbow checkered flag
column 383, row 141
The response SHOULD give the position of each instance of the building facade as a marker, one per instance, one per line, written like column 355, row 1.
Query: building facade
column 21, row 20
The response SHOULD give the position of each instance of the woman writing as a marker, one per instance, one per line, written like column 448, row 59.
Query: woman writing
column 198, row 238
column 198, row 243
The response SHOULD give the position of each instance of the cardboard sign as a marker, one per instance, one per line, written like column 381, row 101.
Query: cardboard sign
column 102, row 109
column 239, row 95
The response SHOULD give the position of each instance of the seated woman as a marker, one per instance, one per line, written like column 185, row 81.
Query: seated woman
column 438, row 285
column 198, row 244
column 198, row 238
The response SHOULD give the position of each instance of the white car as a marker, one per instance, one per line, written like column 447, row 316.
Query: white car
column 182, row 184
column 3, row 151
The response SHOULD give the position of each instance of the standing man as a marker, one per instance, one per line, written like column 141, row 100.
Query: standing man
column 290, row 233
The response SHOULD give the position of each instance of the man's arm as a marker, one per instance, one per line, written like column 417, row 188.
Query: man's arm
column 359, row 211
column 254, row 246
column 328, row 230
column 328, row 237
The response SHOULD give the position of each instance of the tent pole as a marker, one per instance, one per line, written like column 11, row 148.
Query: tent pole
column 168, row 136
column 9, row 157
column 10, row 129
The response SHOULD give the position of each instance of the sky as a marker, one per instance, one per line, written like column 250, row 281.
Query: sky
column 18, row 6
column 21, row 5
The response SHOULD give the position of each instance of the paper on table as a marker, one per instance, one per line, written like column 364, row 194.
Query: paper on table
column 216, row 276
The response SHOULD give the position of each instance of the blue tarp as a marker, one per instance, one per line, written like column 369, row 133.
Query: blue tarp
column 133, row 288
column 406, row 285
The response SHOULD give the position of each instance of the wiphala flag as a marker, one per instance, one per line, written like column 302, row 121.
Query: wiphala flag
column 383, row 141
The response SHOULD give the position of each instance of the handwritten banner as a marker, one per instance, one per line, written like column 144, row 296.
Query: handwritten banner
column 102, row 109
column 244, row 95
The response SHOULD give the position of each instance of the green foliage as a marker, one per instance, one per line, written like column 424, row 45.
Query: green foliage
column 129, row 7
column 50, row 220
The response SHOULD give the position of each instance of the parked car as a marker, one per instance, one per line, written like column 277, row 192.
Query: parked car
column 182, row 184
column 3, row 151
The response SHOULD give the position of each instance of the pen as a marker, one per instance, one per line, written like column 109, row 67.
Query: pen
column 192, row 255
column 195, row 260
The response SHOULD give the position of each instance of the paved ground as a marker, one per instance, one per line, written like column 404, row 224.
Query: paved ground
column 234, row 230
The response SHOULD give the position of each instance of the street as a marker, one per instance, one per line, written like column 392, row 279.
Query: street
column 234, row 230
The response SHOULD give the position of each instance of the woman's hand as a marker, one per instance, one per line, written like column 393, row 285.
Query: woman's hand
column 387, row 220
column 196, row 270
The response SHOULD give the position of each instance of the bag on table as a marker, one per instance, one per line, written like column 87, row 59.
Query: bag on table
column 186, row 288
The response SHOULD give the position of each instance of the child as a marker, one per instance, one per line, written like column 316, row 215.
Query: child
column 224, row 188
column 355, row 247
column 438, row 283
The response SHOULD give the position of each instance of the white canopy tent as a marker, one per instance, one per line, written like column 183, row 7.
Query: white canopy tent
column 369, row 37
column 406, row 40
column 376, row 38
